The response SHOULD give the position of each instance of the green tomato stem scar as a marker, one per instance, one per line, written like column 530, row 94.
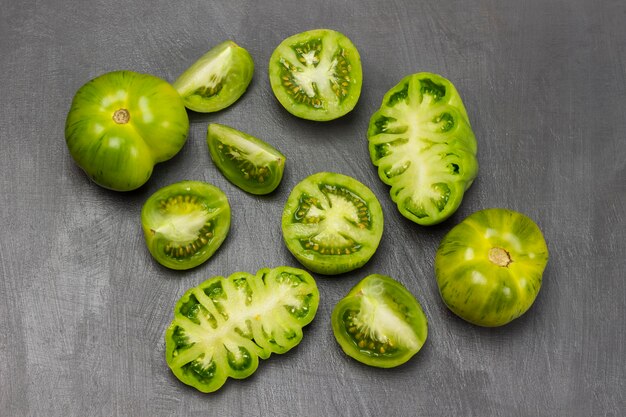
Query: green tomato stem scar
column 500, row 257
column 121, row 116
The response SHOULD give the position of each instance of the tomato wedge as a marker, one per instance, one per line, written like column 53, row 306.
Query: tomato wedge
column 248, row 162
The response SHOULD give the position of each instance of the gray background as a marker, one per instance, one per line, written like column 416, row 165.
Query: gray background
column 83, row 306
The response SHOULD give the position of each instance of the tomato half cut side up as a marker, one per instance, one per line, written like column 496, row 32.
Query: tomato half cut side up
column 223, row 326
column 332, row 223
column 316, row 75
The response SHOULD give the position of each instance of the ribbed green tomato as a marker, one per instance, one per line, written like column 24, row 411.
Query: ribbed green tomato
column 217, row 79
column 185, row 223
column 380, row 323
column 422, row 143
column 246, row 161
column 316, row 75
column 122, row 123
column 489, row 267
column 223, row 326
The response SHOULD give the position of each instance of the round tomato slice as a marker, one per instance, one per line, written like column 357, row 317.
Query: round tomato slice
column 217, row 79
column 332, row 223
column 422, row 143
column 121, row 124
column 380, row 323
column 223, row 326
column 316, row 75
column 248, row 162
column 185, row 223
column 489, row 267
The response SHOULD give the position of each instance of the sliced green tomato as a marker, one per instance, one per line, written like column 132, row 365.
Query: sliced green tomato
column 223, row 326
column 217, row 79
column 248, row 162
column 423, row 145
column 316, row 75
column 380, row 323
column 332, row 223
column 489, row 267
column 185, row 223
column 121, row 124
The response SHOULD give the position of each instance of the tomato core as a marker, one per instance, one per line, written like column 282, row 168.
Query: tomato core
column 121, row 116
column 499, row 257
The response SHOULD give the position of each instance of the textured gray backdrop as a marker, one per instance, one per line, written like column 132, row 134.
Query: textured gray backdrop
column 83, row 306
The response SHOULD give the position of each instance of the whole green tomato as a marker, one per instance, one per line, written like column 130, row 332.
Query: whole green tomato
column 121, row 124
column 489, row 267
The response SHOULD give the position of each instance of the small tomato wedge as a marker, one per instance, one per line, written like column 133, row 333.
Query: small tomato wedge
column 380, row 323
column 248, row 162
column 332, row 223
column 185, row 223
column 489, row 267
column 316, row 75
column 422, row 143
column 223, row 326
column 217, row 79
column 121, row 124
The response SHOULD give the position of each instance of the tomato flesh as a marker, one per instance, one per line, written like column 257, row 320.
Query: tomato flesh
column 489, row 267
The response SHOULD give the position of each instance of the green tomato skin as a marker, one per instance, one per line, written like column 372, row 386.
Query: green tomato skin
column 424, row 147
column 217, row 79
column 258, row 168
column 223, row 326
column 121, row 156
column 478, row 286
column 400, row 321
